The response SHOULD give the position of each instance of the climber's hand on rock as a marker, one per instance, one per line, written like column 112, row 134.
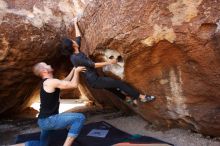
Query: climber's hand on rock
column 75, row 20
column 112, row 61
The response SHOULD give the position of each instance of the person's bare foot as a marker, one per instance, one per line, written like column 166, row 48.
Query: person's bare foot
column 20, row 144
column 135, row 103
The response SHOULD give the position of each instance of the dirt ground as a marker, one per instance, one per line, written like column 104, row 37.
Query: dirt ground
column 9, row 128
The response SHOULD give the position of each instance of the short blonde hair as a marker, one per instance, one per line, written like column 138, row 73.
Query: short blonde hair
column 37, row 69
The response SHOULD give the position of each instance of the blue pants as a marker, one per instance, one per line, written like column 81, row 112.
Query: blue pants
column 60, row 121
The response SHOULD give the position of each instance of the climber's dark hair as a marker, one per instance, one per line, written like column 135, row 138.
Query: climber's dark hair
column 67, row 48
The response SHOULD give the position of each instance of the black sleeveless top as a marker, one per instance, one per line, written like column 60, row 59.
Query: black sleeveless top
column 49, row 102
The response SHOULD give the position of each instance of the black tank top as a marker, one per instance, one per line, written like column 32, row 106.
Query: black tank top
column 49, row 102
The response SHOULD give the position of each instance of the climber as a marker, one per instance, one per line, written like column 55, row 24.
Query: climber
column 72, row 48
column 48, row 118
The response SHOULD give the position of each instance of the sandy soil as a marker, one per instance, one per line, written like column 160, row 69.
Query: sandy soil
column 131, row 124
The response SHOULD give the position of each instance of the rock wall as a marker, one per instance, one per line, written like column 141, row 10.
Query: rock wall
column 169, row 49
column 30, row 32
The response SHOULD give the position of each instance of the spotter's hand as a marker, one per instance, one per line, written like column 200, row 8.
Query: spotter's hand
column 80, row 69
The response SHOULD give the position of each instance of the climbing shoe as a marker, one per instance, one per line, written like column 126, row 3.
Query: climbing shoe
column 147, row 98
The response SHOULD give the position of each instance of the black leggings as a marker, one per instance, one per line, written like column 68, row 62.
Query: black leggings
column 107, row 83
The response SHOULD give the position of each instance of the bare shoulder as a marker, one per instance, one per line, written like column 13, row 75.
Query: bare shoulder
column 51, row 83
